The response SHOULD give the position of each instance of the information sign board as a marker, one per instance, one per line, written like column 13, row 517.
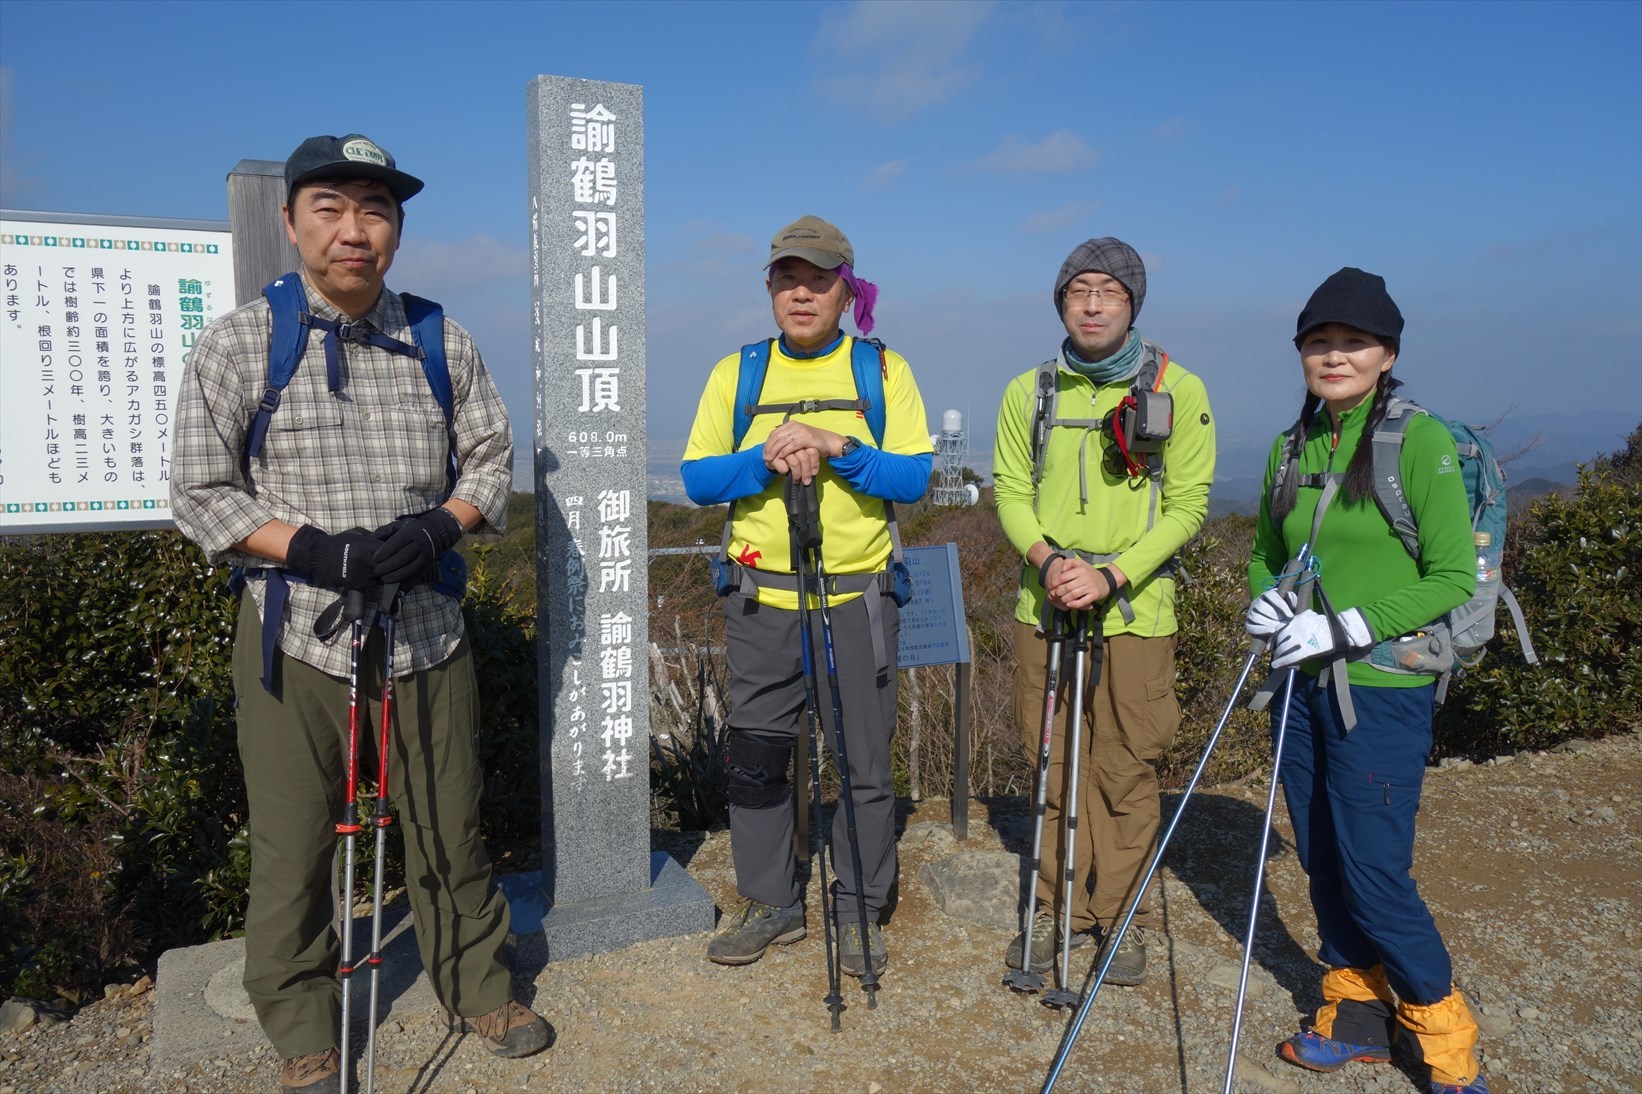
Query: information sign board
column 97, row 317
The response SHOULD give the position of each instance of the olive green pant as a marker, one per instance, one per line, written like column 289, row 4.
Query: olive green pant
column 293, row 744
column 1129, row 718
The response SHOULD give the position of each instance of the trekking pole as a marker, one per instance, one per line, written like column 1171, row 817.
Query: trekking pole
column 389, row 610
column 1256, row 648
column 804, row 531
column 353, row 611
column 1157, row 859
column 1064, row 996
column 1024, row 979
column 1259, row 880
column 869, row 978
column 1303, row 562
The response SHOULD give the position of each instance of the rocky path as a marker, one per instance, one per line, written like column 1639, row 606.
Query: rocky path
column 1532, row 865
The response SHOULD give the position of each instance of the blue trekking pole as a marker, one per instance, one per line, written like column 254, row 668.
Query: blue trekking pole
column 1257, row 647
column 804, row 532
column 869, row 978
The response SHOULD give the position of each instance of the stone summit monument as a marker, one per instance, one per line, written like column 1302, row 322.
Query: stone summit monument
column 602, row 886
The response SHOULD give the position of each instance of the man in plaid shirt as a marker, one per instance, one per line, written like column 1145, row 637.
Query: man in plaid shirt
column 367, row 448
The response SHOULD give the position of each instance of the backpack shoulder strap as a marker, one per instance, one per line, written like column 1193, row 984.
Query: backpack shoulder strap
column 755, row 363
column 289, row 307
column 1153, row 362
column 871, row 367
column 427, row 324
column 1387, row 464
column 1040, row 415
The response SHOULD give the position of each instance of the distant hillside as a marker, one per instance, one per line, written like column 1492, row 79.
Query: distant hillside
column 1524, row 492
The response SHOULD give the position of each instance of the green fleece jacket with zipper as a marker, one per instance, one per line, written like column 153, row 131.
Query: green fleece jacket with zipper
column 1118, row 517
column 1363, row 564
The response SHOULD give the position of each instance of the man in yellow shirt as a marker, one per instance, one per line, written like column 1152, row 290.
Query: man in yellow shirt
column 811, row 426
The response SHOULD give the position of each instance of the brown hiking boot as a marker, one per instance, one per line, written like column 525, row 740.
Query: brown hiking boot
column 511, row 1030
column 315, row 1073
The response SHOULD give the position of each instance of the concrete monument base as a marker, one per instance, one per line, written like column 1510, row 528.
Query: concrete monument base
column 201, row 1010
column 674, row 904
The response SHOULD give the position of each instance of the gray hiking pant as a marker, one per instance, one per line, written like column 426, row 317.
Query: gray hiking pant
column 767, row 697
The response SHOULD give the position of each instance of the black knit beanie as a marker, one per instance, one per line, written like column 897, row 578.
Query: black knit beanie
column 1355, row 298
column 1109, row 256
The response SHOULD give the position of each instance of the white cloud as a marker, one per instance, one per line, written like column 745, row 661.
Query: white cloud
column 894, row 60
column 884, row 174
column 1058, row 219
column 1061, row 151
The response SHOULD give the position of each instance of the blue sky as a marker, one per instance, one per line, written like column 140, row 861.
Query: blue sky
column 1485, row 157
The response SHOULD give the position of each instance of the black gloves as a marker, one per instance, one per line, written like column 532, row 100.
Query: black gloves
column 413, row 545
column 345, row 560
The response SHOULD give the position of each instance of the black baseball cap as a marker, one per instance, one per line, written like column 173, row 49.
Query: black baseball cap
column 354, row 156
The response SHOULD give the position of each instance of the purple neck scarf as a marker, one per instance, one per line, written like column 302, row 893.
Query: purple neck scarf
column 866, row 295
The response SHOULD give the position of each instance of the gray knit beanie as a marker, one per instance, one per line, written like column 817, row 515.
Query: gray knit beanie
column 1109, row 256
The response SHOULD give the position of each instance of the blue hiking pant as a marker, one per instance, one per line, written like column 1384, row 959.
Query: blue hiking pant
column 1353, row 798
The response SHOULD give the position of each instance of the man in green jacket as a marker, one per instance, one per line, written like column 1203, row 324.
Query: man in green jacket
column 1099, row 516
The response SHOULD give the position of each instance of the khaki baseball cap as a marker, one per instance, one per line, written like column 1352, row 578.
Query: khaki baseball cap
column 813, row 240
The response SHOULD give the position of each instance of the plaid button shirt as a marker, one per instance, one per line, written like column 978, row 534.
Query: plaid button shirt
column 355, row 458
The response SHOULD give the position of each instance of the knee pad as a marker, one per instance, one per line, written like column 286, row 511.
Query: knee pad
column 756, row 769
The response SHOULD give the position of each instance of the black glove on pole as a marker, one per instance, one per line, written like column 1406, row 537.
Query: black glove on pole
column 412, row 552
column 340, row 561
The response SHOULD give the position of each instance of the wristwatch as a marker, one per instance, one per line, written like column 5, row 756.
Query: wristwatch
column 850, row 445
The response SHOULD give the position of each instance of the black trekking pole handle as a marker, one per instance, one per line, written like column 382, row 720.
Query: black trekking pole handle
column 804, row 513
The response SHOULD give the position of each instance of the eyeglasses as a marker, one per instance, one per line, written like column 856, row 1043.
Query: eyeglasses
column 1099, row 297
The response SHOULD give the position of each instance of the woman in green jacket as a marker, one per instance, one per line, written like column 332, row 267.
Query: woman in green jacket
column 1353, row 789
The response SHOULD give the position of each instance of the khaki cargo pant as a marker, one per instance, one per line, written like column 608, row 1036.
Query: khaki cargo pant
column 1129, row 719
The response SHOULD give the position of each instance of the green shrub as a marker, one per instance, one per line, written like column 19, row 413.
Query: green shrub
column 122, row 804
column 1575, row 565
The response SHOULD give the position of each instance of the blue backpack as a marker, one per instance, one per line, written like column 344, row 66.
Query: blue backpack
column 869, row 368
column 1472, row 623
column 867, row 363
column 289, row 342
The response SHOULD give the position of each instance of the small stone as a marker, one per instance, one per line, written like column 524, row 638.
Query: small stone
column 872, row 1088
column 1528, row 1014
column 125, row 1031
column 141, row 987
column 16, row 1016
column 110, row 991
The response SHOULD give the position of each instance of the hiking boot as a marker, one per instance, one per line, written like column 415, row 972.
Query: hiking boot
column 849, row 949
column 754, row 928
column 1128, row 966
column 1045, row 942
column 1314, row 1052
column 510, row 1031
column 315, row 1073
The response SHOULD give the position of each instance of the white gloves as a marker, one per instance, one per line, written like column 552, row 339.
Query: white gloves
column 1309, row 636
column 1270, row 610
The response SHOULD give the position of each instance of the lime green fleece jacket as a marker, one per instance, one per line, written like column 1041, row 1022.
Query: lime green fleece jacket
column 1115, row 519
column 1363, row 563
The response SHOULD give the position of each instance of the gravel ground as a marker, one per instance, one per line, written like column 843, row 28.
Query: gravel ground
column 1532, row 865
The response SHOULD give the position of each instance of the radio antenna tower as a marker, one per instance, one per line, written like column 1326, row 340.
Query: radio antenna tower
column 951, row 445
